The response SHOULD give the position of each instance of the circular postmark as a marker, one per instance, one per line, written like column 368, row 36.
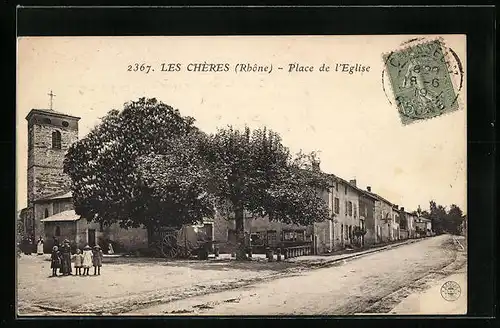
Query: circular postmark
column 426, row 79
column 450, row 291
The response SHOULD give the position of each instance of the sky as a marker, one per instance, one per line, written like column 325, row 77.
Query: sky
column 348, row 118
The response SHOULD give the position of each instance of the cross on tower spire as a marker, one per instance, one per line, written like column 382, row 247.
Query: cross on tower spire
column 51, row 95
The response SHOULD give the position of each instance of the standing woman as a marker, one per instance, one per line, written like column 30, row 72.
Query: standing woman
column 66, row 258
column 39, row 246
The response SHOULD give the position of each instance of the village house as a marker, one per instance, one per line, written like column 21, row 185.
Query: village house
column 344, row 203
column 385, row 219
column 367, row 217
column 411, row 219
column 396, row 226
column 346, row 213
column 260, row 233
column 423, row 226
column 407, row 224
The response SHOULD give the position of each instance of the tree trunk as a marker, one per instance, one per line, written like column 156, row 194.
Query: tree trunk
column 240, row 234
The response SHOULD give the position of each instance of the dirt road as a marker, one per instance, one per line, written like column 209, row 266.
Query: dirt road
column 369, row 284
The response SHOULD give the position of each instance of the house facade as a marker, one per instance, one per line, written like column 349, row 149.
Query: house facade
column 344, row 205
column 385, row 220
column 411, row 219
column 423, row 227
column 367, row 218
column 260, row 232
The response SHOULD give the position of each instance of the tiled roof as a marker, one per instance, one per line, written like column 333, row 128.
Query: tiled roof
column 59, row 195
column 380, row 198
column 364, row 192
column 67, row 216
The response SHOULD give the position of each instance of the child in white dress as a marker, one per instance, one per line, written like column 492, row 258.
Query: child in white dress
column 87, row 259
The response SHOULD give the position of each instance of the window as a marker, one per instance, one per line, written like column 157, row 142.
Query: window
column 346, row 208
column 337, row 185
column 337, row 205
column 65, row 124
column 355, row 210
column 350, row 208
column 272, row 237
column 46, row 214
column 289, row 236
column 58, row 231
column 56, row 140
column 345, row 191
column 258, row 238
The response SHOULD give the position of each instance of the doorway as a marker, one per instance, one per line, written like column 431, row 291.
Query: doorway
column 91, row 237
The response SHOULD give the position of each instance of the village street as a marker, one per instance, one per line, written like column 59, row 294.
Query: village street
column 373, row 283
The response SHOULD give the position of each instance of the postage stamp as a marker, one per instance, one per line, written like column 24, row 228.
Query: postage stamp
column 451, row 291
column 422, row 77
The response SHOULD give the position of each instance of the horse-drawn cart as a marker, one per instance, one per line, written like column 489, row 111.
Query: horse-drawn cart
column 185, row 242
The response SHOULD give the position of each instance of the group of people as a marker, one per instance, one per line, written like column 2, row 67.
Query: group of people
column 61, row 260
column 27, row 246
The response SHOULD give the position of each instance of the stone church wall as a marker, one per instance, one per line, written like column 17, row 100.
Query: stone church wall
column 45, row 164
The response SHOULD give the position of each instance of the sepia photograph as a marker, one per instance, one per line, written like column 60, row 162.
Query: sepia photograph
column 241, row 175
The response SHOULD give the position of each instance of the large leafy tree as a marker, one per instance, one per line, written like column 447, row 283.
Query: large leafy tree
column 444, row 221
column 437, row 214
column 253, row 171
column 454, row 219
column 140, row 166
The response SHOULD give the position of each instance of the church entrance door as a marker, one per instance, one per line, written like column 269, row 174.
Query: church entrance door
column 91, row 237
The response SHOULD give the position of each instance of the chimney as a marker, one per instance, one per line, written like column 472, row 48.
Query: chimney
column 402, row 209
column 369, row 189
column 353, row 182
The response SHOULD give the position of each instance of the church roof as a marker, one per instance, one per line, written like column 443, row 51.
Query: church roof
column 58, row 195
column 50, row 112
column 68, row 216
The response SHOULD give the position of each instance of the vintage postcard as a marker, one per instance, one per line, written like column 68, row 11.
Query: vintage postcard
column 241, row 175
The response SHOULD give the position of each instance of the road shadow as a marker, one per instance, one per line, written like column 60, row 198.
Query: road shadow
column 211, row 264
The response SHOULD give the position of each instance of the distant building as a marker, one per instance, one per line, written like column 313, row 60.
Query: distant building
column 423, row 226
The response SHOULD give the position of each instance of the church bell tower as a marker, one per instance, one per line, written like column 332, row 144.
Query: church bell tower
column 50, row 134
